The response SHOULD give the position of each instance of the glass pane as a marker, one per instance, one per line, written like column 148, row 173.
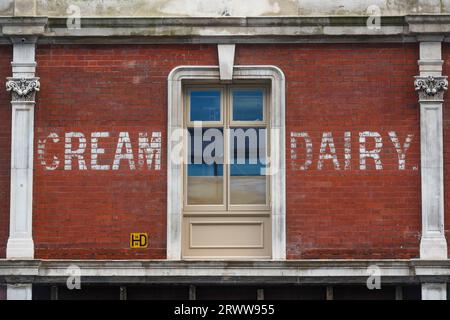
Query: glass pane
column 205, row 166
column 248, row 105
column 205, row 105
column 247, row 166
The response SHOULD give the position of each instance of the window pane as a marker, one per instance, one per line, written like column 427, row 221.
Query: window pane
column 205, row 105
column 247, row 166
column 248, row 105
column 205, row 166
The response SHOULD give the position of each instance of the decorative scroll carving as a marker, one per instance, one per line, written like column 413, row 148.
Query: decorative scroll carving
column 23, row 89
column 431, row 87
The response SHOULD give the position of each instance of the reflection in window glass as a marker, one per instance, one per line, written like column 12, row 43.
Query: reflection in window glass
column 205, row 105
column 247, row 166
column 205, row 167
column 248, row 105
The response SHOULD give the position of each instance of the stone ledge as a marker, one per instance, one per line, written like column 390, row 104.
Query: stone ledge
column 270, row 272
column 23, row 26
column 223, row 27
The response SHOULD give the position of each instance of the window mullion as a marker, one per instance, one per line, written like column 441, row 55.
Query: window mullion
column 227, row 146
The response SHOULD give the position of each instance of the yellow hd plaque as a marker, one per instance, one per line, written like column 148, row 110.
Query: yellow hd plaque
column 138, row 240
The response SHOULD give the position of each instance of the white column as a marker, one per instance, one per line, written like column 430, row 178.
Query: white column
column 23, row 86
column 431, row 86
column 19, row 292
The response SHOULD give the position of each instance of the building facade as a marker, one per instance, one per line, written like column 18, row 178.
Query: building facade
column 127, row 164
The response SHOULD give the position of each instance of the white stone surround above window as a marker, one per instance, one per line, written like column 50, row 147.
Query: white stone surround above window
column 175, row 168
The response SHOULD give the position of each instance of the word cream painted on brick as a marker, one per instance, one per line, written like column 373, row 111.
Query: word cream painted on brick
column 100, row 151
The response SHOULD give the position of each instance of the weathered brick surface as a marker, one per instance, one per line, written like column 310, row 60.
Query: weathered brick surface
column 330, row 88
column 446, row 112
column 356, row 88
column 5, row 148
column 90, row 214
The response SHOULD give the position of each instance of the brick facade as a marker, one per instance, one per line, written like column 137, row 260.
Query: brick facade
column 331, row 213
column 355, row 88
column 90, row 214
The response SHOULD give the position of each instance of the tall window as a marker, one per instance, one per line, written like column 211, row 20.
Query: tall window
column 227, row 200
column 226, row 148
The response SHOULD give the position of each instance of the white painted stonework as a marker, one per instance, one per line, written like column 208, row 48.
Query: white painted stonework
column 226, row 60
column 433, row 244
column 23, row 86
column 431, row 87
column 220, row 7
column 19, row 292
column 223, row 8
column 434, row 291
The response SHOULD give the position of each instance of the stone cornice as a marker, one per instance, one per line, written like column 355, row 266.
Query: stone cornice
column 240, row 29
column 275, row 272
column 23, row 26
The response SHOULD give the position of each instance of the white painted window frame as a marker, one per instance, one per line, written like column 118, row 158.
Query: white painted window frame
column 176, row 78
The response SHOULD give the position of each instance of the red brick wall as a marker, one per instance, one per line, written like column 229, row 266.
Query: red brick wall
column 5, row 148
column 446, row 111
column 355, row 88
column 90, row 214
column 330, row 88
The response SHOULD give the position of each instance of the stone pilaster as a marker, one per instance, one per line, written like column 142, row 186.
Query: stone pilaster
column 23, row 86
column 431, row 85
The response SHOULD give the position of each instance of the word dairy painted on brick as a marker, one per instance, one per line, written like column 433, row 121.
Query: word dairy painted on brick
column 327, row 151
column 147, row 151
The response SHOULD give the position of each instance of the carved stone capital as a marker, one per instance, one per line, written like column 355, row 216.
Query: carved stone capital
column 23, row 89
column 431, row 88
